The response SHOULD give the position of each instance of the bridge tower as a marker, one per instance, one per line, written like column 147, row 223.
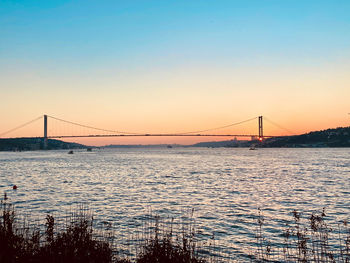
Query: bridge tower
column 45, row 132
column 261, row 134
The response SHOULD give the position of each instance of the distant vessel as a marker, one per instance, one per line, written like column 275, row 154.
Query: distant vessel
column 252, row 147
column 169, row 146
column 89, row 149
column 70, row 152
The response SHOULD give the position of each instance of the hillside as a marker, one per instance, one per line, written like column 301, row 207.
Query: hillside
column 31, row 144
column 339, row 137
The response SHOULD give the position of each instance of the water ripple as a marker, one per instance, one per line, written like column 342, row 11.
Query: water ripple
column 225, row 187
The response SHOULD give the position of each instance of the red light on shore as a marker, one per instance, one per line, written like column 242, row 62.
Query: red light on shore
column 260, row 139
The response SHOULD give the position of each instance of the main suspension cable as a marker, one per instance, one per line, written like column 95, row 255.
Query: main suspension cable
column 279, row 126
column 90, row 127
column 21, row 126
column 221, row 127
column 124, row 132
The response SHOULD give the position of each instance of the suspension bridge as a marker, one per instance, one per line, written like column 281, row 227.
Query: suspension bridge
column 99, row 132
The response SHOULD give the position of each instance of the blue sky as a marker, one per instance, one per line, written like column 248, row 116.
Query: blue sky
column 133, row 32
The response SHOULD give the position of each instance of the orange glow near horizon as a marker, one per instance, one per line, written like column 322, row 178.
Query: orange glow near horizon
column 181, row 100
column 36, row 130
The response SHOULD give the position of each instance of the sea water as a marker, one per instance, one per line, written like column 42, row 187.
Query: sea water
column 223, row 187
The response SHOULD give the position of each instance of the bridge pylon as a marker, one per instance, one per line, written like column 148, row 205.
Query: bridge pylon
column 45, row 132
column 261, row 133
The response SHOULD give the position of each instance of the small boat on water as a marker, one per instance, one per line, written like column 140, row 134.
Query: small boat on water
column 252, row 147
column 70, row 152
column 89, row 149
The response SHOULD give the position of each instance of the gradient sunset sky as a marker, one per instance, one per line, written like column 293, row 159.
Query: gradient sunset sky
column 174, row 66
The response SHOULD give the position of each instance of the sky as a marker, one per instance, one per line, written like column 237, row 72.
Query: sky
column 174, row 66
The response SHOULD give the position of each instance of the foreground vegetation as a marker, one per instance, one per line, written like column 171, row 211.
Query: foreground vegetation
column 79, row 241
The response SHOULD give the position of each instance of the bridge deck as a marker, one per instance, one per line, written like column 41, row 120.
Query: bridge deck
column 160, row 135
column 147, row 135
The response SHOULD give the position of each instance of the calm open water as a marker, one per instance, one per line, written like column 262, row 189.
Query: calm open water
column 225, row 187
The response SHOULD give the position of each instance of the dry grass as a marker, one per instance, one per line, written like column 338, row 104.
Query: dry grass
column 75, row 243
column 306, row 239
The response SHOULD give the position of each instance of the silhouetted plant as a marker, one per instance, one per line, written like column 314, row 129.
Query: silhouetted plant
column 312, row 244
column 75, row 243
column 308, row 239
column 264, row 249
column 165, row 248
